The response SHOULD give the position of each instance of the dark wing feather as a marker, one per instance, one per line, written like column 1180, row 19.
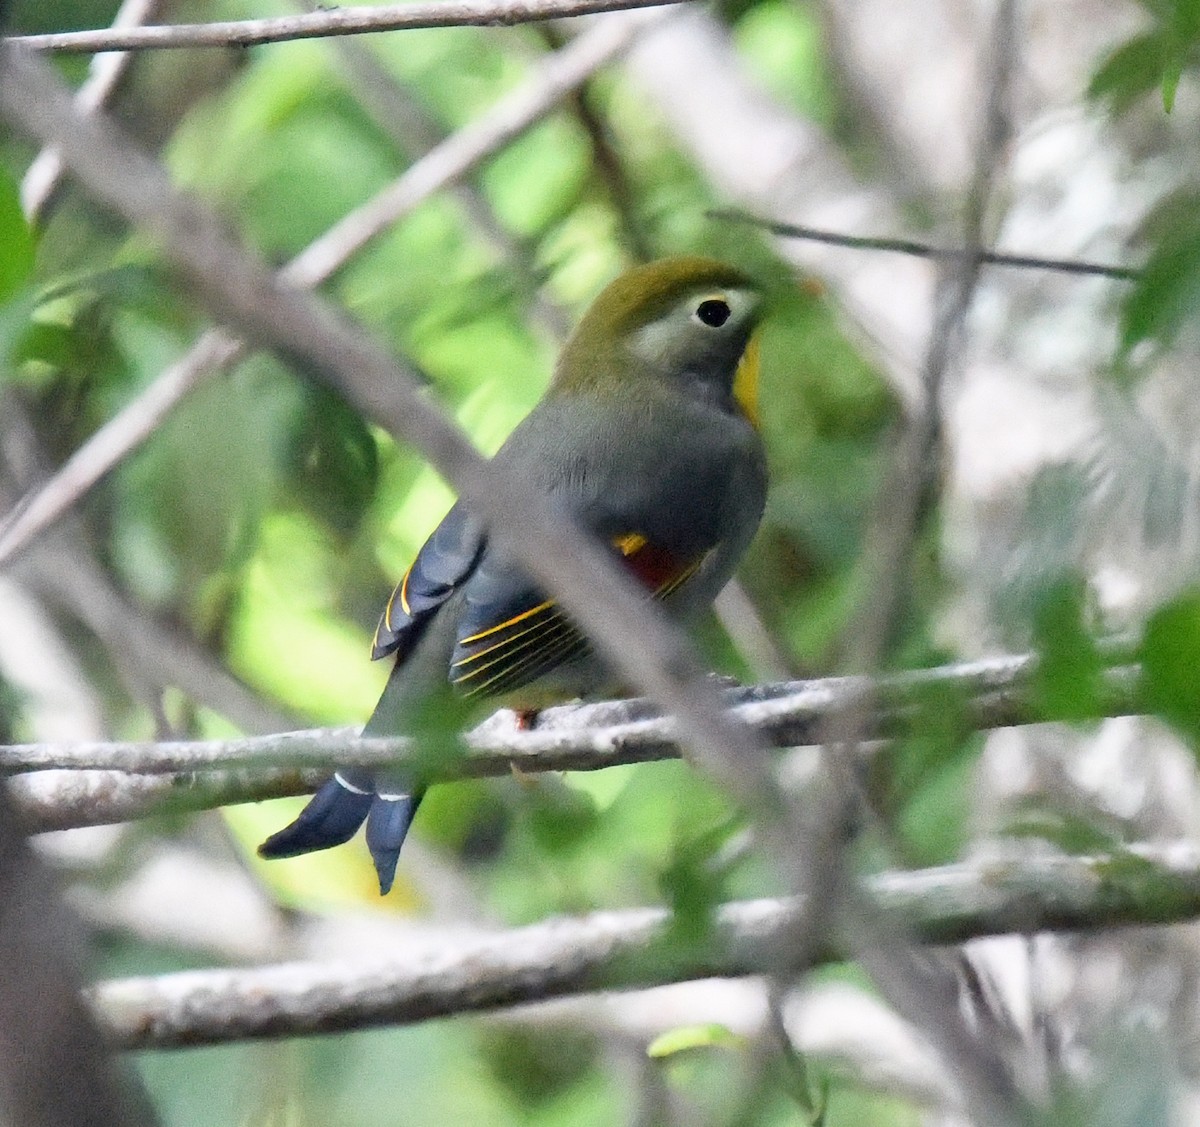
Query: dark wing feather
column 510, row 634
column 442, row 565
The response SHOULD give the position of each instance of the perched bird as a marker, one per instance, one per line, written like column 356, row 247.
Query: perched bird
column 647, row 438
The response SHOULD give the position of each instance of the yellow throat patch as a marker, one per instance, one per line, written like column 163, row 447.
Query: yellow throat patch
column 745, row 381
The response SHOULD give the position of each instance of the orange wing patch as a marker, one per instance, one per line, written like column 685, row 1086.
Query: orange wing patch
column 525, row 646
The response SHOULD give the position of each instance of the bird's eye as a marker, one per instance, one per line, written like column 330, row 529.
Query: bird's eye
column 713, row 312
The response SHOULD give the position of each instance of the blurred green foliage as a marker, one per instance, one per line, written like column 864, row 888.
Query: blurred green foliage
column 1070, row 663
column 1167, row 294
column 1170, row 655
column 16, row 238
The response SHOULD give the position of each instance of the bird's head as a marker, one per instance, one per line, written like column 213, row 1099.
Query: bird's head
column 688, row 322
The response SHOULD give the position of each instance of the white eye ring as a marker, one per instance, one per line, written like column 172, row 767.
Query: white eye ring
column 713, row 312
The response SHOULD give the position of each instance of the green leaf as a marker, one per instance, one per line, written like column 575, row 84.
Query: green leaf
column 46, row 343
column 16, row 239
column 930, row 777
column 1154, row 58
column 559, row 817
column 1170, row 657
column 1170, row 83
column 1070, row 665
column 537, row 1066
column 1167, row 293
column 710, row 1036
column 1131, row 71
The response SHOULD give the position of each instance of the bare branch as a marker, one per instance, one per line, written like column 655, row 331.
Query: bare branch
column 44, row 175
column 67, row 800
column 333, row 21
column 576, row 737
column 998, row 692
column 927, row 250
column 623, row 949
column 217, row 351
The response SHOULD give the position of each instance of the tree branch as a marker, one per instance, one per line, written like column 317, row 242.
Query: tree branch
column 61, row 786
column 630, row 948
column 67, row 800
column 972, row 696
column 334, row 21
column 217, row 351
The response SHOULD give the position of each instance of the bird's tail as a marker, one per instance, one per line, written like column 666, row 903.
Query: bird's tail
column 334, row 814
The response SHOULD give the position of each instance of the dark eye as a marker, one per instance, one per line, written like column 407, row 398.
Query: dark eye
column 714, row 312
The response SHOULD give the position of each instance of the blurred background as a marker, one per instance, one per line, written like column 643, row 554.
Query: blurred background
column 227, row 576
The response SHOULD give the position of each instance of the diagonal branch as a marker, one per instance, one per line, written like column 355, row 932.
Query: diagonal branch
column 333, row 21
column 217, row 350
column 631, row 948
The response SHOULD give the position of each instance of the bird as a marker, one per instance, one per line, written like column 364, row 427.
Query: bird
column 647, row 439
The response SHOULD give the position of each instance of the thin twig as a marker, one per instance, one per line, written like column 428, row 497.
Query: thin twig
column 333, row 21
column 927, row 250
column 623, row 949
column 216, row 350
column 44, row 175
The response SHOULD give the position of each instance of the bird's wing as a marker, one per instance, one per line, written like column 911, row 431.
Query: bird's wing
column 509, row 633
column 443, row 564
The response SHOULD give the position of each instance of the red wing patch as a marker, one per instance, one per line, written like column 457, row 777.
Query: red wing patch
column 655, row 568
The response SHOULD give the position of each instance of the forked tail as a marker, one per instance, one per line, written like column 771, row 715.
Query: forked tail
column 334, row 814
